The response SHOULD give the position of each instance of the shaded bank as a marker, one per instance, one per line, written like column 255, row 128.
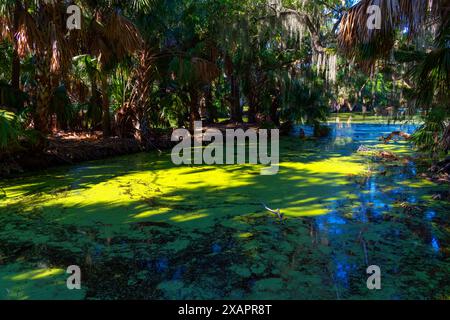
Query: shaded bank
column 65, row 148
column 62, row 152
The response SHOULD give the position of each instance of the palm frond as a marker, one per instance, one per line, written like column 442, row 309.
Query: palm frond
column 28, row 34
column 434, row 75
column 9, row 131
column 357, row 40
column 123, row 34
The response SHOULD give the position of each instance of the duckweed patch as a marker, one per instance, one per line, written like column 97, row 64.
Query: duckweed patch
column 141, row 228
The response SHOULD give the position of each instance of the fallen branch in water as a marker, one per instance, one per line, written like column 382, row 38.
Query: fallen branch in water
column 387, row 155
column 277, row 212
column 404, row 135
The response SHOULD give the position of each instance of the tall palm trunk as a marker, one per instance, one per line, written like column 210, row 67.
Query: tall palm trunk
column 15, row 67
column 41, row 121
column 43, row 94
column 96, row 104
column 141, row 95
column 15, row 70
column 106, row 118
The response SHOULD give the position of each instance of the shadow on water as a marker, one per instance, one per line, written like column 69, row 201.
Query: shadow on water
column 142, row 228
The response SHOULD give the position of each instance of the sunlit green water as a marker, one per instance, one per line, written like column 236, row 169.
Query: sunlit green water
column 140, row 227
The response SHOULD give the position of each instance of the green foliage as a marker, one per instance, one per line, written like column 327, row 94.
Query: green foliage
column 304, row 102
column 9, row 129
column 5, row 60
column 429, row 136
column 120, row 86
column 265, row 60
column 12, row 132
column 434, row 75
column 62, row 107
column 11, row 99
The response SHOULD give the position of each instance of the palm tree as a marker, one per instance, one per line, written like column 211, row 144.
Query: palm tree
column 431, row 71
column 39, row 28
column 111, row 38
column 86, row 75
column 410, row 16
column 10, row 13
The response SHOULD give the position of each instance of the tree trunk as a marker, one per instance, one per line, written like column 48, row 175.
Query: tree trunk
column 252, row 104
column 274, row 116
column 43, row 94
column 96, row 101
column 106, row 118
column 252, row 98
column 212, row 111
column 15, row 71
column 194, row 114
column 15, row 68
column 144, row 83
column 236, row 110
column 41, row 121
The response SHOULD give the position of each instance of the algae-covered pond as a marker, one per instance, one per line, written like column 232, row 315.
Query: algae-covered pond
column 142, row 228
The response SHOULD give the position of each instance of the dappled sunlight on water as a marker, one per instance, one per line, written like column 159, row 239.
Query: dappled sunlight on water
column 143, row 228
